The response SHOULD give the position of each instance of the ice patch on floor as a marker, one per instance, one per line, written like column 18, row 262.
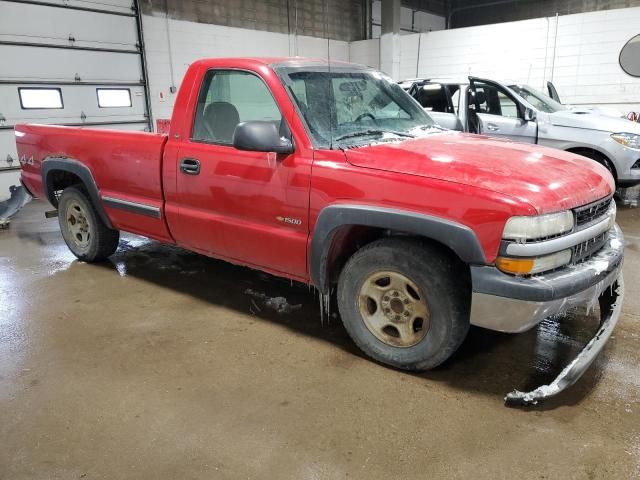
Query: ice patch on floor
column 278, row 304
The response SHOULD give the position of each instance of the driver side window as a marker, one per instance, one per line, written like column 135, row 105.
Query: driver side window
column 227, row 98
column 494, row 101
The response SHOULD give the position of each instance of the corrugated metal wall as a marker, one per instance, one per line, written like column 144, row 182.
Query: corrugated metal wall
column 336, row 19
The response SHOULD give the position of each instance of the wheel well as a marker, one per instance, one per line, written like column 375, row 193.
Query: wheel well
column 58, row 180
column 348, row 239
column 597, row 156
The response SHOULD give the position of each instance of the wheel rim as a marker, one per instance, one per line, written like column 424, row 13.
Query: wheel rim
column 394, row 309
column 77, row 224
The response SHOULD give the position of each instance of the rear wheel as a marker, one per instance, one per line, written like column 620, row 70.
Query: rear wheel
column 404, row 303
column 83, row 230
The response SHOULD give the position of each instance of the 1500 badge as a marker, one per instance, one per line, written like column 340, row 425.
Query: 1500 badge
column 289, row 220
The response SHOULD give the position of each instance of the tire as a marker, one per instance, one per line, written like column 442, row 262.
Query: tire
column 407, row 273
column 83, row 230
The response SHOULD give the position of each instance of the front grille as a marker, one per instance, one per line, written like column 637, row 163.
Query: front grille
column 592, row 212
column 585, row 250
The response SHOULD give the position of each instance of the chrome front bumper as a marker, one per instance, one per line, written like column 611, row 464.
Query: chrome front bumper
column 610, row 307
column 515, row 304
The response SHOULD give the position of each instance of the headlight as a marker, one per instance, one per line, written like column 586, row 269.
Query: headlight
column 521, row 229
column 530, row 266
column 630, row 140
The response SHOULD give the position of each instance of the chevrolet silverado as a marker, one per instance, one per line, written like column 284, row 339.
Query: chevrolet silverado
column 331, row 175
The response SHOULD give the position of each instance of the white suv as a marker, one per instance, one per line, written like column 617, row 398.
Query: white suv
column 519, row 112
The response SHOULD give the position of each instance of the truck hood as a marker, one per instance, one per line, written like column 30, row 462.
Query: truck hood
column 548, row 179
column 592, row 119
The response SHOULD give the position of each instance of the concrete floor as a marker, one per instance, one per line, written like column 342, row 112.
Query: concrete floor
column 158, row 365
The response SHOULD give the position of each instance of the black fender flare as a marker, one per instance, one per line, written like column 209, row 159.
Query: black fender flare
column 459, row 238
column 51, row 164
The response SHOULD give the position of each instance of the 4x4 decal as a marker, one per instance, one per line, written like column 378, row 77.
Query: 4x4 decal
column 26, row 161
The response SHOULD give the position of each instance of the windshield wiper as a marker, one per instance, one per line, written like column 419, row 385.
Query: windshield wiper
column 430, row 127
column 364, row 133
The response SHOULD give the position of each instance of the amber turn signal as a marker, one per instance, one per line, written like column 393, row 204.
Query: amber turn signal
column 515, row 266
column 531, row 266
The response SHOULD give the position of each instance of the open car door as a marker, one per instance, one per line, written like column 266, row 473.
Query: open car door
column 493, row 110
column 437, row 101
column 553, row 93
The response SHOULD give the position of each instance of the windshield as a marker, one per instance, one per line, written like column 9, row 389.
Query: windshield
column 537, row 99
column 349, row 107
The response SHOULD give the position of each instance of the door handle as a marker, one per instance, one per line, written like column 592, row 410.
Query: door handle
column 190, row 166
column 492, row 127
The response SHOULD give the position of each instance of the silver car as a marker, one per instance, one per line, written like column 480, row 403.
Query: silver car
column 519, row 112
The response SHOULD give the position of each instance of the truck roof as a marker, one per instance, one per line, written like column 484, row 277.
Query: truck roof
column 275, row 62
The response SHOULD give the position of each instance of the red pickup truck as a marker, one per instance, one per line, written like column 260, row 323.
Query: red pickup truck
column 330, row 174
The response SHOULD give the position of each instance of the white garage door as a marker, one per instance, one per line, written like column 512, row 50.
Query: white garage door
column 70, row 62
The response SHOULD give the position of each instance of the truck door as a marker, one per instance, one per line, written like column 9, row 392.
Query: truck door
column 494, row 111
column 248, row 207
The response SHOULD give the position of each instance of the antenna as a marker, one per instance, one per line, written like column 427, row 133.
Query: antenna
column 295, row 28
column 330, row 83
column 289, row 27
column 418, row 56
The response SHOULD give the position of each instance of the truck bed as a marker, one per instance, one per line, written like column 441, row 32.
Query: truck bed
column 125, row 166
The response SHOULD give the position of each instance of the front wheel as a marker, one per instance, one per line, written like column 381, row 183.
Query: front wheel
column 83, row 230
column 404, row 303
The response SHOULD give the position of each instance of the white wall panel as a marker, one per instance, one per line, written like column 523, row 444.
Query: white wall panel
column 409, row 55
column 9, row 156
column 8, row 178
column 365, row 52
column 191, row 41
column 584, row 68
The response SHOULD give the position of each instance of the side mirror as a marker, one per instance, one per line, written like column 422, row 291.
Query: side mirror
column 260, row 136
column 529, row 115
